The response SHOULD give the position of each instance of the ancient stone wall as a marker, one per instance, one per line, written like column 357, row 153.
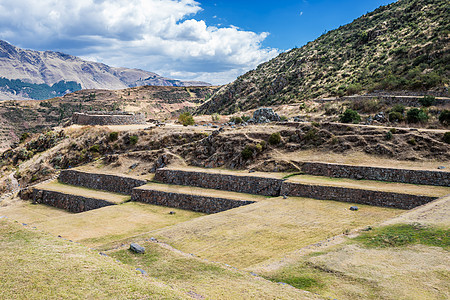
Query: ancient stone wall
column 72, row 203
column 102, row 118
column 438, row 178
column 192, row 202
column 106, row 182
column 391, row 99
column 225, row 182
column 369, row 197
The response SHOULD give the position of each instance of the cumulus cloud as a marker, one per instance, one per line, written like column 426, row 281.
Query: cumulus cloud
column 155, row 35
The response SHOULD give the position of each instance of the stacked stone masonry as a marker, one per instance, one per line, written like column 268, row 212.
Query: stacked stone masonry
column 72, row 203
column 197, row 203
column 360, row 196
column 102, row 118
column 424, row 177
column 242, row 184
column 106, row 182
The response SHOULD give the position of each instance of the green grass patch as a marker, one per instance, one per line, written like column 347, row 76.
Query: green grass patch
column 300, row 276
column 405, row 234
column 291, row 175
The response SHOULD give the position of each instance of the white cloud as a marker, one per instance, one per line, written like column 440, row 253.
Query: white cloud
column 156, row 35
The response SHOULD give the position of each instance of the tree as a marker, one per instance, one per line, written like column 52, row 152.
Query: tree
column 186, row 119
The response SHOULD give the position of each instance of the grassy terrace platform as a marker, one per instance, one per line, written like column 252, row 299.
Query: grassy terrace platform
column 393, row 187
column 56, row 186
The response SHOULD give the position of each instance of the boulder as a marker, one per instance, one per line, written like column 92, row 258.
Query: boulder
column 354, row 208
column 137, row 248
column 264, row 115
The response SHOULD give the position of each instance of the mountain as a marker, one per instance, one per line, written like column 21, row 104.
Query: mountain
column 34, row 74
column 398, row 47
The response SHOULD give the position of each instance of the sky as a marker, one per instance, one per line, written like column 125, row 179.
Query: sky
column 214, row 41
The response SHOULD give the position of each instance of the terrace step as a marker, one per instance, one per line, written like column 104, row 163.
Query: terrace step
column 75, row 199
column 257, row 183
column 386, row 194
column 101, row 181
column 192, row 198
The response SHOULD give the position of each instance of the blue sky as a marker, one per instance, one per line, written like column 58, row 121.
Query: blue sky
column 213, row 41
column 290, row 22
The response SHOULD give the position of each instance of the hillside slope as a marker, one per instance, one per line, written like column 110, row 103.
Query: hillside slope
column 50, row 68
column 401, row 46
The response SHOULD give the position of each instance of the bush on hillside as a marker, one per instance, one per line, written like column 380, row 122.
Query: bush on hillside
column 350, row 116
column 395, row 116
column 427, row 101
column 415, row 115
column 275, row 138
column 113, row 136
column 186, row 119
column 444, row 117
column 446, row 138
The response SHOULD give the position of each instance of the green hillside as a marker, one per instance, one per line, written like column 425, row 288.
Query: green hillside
column 401, row 46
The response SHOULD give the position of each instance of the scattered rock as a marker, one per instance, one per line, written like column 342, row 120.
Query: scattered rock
column 251, row 171
column 354, row 208
column 142, row 271
column 133, row 166
column 380, row 117
column 285, row 197
column 171, row 213
column 137, row 248
column 441, row 168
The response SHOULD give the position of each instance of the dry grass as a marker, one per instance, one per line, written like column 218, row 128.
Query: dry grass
column 268, row 229
column 403, row 188
column 358, row 158
column 100, row 226
column 84, row 192
column 35, row 265
column 202, row 279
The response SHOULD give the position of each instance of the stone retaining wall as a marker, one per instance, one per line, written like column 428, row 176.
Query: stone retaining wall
column 197, row 203
column 391, row 100
column 369, row 197
column 106, row 182
column 241, row 184
column 72, row 203
column 108, row 119
column 438, row 178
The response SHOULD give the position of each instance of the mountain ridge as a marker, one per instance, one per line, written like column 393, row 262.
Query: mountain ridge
column 49, row 68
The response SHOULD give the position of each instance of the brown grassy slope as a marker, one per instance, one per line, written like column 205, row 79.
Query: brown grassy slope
column 401, row 46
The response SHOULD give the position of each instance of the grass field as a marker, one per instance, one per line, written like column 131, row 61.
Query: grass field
column 100, row 226
column 35, row 265
column 204, row 280
column 268, row 229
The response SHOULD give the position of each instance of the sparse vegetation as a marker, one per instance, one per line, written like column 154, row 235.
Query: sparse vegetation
column 247, row 152
column 134, row 139
column 444, row 117
column 186, row 119
column 428, row 101
column 113, row 136
column 275, row 138
column 350, row 116
column 415, row 115
column 446, row 138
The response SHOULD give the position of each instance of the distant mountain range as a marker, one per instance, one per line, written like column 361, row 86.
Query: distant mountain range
column 404, row 46
column 28, row 74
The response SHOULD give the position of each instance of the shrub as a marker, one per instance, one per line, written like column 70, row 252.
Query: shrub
column 236, row 120
column 389, row 135
column 415, row 115
column 24, row 136
column 412, row 141
column 94, row 148
column 186, row 119
column 446, row 138
column 444, row 117
column 134, row 139
column 283, row 118
column 395, row 116
column 215, row 117
column 113, row 136
column 245, row 118
column 247, row 153
column 398, row 108
column 427, row 101
column 275, row 138
column 350, row 116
